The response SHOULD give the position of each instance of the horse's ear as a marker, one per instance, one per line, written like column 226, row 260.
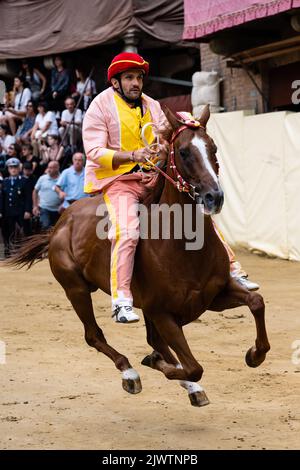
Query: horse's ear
column 171, row 118
column 205, row 115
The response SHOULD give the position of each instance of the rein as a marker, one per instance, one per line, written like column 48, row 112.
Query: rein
column 178, row 182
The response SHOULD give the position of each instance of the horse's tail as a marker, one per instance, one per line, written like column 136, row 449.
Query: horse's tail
column 31, row 251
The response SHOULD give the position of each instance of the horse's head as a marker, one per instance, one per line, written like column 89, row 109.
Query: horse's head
column 195, row 160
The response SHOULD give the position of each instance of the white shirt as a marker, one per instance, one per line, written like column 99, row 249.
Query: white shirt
column 91, row 86
column 21, row 99
column 7, row 141
column 67, row 116
column 48, row 117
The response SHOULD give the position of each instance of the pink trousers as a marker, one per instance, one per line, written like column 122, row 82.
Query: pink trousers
column 122, row 198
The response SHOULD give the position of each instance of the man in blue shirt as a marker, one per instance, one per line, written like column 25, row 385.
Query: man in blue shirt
column 45, row 200
column 70, row 184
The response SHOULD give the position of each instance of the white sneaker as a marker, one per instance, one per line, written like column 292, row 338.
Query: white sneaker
column 245, row 282
column 125, row 314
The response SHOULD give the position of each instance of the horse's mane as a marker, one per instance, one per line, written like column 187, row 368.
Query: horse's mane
column 152, row 195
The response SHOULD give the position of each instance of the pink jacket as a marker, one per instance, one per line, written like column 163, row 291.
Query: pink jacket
column 110, row 125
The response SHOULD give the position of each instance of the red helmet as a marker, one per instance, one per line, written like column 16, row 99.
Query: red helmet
column 125, row 61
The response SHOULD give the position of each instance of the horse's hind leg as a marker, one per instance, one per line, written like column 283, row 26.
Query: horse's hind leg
column 78, row 292
column 236, row 296
column 162, row 359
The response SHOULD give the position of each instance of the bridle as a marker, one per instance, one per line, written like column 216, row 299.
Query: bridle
column 177, row 181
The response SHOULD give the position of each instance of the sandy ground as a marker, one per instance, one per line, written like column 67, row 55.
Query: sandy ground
column 57, row 393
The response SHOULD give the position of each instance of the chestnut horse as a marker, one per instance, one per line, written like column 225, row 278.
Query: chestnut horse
column 173, row 286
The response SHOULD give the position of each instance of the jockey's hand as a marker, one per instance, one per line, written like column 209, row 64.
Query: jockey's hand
column 27, row 215
column 163, row 151
column 141, row 155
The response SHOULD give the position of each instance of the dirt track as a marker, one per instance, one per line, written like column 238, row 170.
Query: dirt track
column 57, row 393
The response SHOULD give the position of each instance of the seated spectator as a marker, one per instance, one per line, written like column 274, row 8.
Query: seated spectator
column 53, row 151
column 13, row 151
column 24, row 131
column 27, row 156
column 69, row 186
column 14, row 115
column 45, row 200
column 15, row 203
column 34, row 78
column 2, row 164
column 60, row 83
column 45, row 123
column 71, row 123
column 6, row 139
column 84, row 83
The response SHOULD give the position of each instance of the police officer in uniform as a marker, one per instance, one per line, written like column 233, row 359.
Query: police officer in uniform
column 15, row 202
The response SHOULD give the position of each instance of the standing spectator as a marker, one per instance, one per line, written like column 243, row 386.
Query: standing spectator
column 90, row 89
column 31, row 181
column 69, row 186
column 34, row 78
column 14, row 115
column 45, row 200
column 75, row 118
column 27, row 156
column 15, row 203
column 29, row 175
column 60, row 83
column 24, row 131
column 6, row 139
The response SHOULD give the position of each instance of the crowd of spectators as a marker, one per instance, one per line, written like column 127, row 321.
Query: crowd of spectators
column 41, row 159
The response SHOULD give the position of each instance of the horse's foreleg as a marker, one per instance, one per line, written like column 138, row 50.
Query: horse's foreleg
column 173, row 335
column 81, row 300
column 236, row 296
column 161, row 350
column 163, row 360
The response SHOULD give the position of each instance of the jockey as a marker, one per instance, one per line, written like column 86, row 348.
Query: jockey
column 115, row 150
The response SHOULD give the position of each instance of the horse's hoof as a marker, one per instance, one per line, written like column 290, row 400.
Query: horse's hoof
column 151, row 360
column 252, row 359
column 132, row 386
column 199, row 399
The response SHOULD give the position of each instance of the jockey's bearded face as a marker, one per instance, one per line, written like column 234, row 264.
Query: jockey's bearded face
column 131, row 82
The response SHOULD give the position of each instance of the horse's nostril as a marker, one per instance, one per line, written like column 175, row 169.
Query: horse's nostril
column 209, row 198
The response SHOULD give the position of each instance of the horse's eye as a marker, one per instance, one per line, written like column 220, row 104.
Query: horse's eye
column 184, row 153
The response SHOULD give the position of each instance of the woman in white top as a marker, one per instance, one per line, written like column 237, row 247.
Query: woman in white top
column 15, row 114
column 90, row 90
column 45, row 123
